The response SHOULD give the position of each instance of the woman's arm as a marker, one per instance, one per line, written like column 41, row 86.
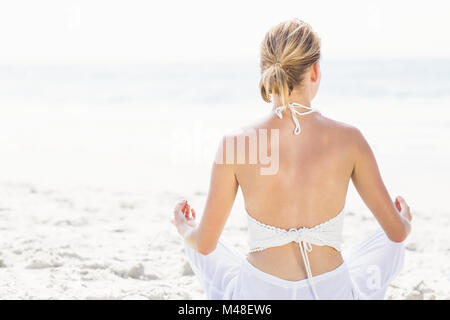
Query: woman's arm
column 393, row 218
column 222, row 193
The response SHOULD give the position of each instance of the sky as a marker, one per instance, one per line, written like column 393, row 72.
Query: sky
column 108, row 31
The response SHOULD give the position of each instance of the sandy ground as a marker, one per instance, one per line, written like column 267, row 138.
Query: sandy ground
column 104, row 244
column 86, row 197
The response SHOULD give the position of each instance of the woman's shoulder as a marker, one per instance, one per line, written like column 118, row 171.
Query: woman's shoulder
column 250, row 129
column 342, row 128
column 342, row 136
column 347, row 136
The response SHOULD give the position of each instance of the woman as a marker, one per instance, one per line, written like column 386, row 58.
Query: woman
column 294, row 212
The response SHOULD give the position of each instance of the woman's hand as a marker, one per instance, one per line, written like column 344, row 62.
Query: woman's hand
column 403, row 208
column 184, row 218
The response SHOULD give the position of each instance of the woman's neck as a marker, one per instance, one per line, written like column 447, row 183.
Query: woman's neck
column 293, row 97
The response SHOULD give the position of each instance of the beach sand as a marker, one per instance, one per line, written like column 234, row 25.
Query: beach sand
column 87, row 193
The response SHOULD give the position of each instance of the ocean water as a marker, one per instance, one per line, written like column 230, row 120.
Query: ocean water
column 211, row 83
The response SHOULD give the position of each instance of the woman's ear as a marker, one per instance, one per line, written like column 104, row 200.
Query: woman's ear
column 315, row 72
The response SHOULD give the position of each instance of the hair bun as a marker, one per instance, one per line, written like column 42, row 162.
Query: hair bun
column 294, row 47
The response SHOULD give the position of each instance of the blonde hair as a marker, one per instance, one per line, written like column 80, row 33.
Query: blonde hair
column 287, row 50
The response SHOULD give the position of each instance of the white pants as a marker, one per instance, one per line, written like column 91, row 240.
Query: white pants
column 365, row 274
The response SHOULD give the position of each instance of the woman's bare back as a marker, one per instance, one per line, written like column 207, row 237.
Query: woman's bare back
column 309, row 188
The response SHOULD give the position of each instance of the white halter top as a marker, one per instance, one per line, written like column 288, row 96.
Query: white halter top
column 295, row 113
column 328, row 233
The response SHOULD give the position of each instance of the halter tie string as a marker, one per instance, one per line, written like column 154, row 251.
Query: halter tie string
column 295, row 112
column 305, row 247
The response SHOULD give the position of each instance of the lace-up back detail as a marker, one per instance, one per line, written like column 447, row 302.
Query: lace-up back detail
column 328, row 233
